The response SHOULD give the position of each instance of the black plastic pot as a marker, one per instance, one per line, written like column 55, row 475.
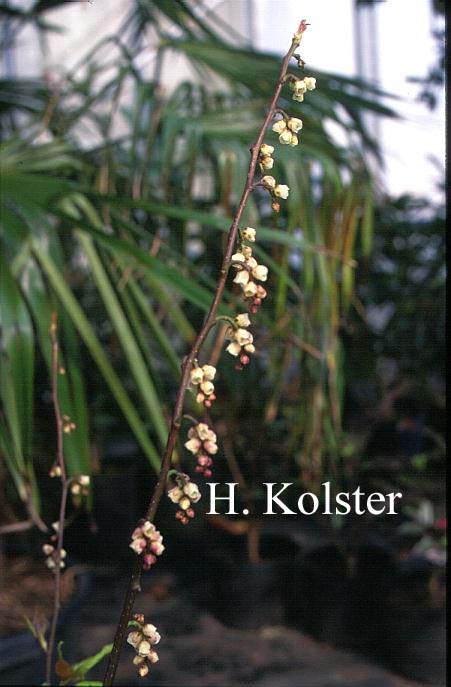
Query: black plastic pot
column 245, row 595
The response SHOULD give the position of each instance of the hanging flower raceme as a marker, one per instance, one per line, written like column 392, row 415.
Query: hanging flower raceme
column 276, row 190
column 147, row 542
column 55, row 471
column 68, row 425
column 203, row 378
column 142, row 639
column 250, row 273
column 241, row 339
column 202, row 443
column 53, row 558
column 185, row 493
column 80, row 485
column 287, row 128
column 300, row 86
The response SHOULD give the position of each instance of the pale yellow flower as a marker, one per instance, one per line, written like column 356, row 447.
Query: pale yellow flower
column 144, row 648
column 209, row 372
column 203, row 430
column 268, row 181
column 279, row 126
column 151, row 633
column 134, row 639
column 285, row 137
column 234, row 348
column 248, row 234
column 243, row 320
column 175, row 494
column 310, row 83
column 184, row 503
column 295, row 124
column 260, row 272
column 207, row 388
column 210, row 447
column 299, row 86
column 250, row 289
column 192, row 492
column 242, row 277
column 266, row 149
column 243, row 336
column 281, row 191
column 197, row 375
column 267, row 162
column 193, row 444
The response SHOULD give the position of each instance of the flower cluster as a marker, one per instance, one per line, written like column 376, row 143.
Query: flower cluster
column 203, row 376
column 265, row 160
column 202, row 442
column 80, row 485
column 287, row 128
column 53, row 558
column 184, row 494
column 68, row 425
column 276, row 190
column 55, row 471
column 300, row 86
column 142, row 640
column 148, row 542
column 248, row 272
column 240, row 339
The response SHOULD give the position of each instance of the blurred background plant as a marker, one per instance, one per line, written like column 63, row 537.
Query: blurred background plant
column 118, row 184
column 116, row 195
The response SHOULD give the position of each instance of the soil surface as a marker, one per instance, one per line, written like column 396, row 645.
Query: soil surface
column 27, row 590
column 196, row 650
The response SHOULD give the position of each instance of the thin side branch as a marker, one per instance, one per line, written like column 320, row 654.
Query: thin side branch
column 65, row 486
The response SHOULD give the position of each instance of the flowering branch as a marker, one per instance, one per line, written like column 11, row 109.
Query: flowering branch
column 191, row 372
column 55, row 556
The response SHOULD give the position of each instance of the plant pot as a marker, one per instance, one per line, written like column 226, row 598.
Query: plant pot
column 245, row 595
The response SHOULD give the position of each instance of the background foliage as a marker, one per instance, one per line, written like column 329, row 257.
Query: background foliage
column 116, row 198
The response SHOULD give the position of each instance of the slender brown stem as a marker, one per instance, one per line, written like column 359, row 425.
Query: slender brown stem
column 134, row 584
column 65, row 486
column 17, row 527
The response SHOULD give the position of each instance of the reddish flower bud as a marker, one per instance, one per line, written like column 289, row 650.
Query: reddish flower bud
column 275, row 206
column 190, row 513
column 244, row 359
column 149, row 559
column 207, row 473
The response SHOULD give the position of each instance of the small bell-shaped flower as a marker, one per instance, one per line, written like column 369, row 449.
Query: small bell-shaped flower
column 248, row 234
column 281, row 191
